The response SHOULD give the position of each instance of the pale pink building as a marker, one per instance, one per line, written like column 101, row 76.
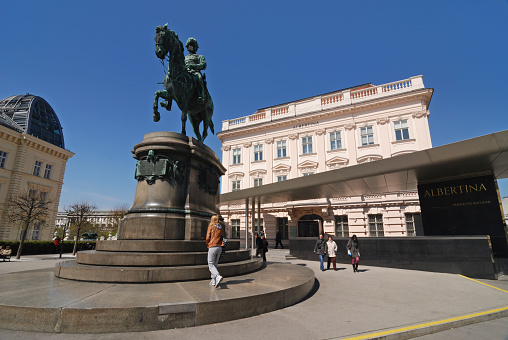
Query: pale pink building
column 339, row 129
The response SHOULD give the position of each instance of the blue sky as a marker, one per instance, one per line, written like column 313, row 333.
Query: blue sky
column 94, row 62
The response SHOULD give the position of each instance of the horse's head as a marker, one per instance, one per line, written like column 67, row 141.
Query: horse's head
column 166, row 41
column 161, row 37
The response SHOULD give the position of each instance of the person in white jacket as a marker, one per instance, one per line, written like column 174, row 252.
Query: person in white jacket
column 331, row 250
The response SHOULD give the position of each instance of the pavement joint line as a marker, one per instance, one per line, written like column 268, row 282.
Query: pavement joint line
column 505, row 291
column 425, row 325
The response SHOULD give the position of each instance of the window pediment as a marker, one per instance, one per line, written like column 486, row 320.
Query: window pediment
column 235, row 176
column 337, row 162
column 257, row 173
column 369, row 158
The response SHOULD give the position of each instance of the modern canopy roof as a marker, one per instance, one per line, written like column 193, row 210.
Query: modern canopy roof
column 482, row 155
column 32, row 115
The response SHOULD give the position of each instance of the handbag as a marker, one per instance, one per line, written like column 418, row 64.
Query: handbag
column 349, row 252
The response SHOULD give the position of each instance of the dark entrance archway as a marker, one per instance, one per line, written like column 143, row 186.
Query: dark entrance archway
column 308, row 225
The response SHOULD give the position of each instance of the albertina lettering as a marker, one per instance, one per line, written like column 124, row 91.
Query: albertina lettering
column 455, row 190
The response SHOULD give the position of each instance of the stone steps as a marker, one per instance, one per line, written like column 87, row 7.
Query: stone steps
column 138, row 259
column 150, row 274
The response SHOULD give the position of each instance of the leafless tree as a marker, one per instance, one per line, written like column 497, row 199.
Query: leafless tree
column 117, row 214
column 27, row 208
column 79, row 214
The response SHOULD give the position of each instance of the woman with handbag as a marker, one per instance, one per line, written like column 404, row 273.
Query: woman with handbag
column 353, row 250
column 331, row 249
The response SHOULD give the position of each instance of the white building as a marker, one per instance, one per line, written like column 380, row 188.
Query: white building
column 32, row 158
column 334, row 130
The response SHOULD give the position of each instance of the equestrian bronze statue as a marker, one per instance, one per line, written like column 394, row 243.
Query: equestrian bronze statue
column 183, row 82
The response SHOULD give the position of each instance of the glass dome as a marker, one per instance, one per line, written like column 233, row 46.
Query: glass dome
column 32, row 115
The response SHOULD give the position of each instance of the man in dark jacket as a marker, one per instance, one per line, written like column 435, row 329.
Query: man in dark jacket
column 319, row 249
column 278, row 240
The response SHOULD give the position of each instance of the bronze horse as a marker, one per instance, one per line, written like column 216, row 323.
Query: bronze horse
column 180, row 85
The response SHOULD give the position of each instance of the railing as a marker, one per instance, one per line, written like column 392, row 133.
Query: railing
column 337, row 99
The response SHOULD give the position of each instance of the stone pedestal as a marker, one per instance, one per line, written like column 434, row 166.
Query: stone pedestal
column 161, row 238
column 177, row 191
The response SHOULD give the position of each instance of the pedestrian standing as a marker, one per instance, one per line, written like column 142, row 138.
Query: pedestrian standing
column 354, row 251
column 278, row 240
column 331, row 251
column 319, row 249
column 214, row 242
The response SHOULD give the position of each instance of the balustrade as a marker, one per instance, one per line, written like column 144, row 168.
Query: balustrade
column 336, row 99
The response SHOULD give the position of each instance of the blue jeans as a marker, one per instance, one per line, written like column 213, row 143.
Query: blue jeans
column 213, row 260
column 321, row 261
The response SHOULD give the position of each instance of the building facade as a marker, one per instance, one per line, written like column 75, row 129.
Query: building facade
column 32, row 159
column 312, row 135
column 101, row 221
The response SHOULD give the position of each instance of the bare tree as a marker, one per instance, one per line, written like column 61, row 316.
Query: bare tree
column 27, row 208
column 117, row 214
column 79, row 214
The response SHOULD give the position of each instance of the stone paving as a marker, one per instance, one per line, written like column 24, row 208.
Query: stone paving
column 398, row 303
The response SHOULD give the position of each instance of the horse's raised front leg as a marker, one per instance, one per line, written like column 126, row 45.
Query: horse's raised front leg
column 156, row 115
column 184, row 120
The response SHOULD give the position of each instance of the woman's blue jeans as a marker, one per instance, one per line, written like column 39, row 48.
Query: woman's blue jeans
column 321, row 261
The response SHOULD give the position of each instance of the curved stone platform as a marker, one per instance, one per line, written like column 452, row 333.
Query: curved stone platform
column 66, row 306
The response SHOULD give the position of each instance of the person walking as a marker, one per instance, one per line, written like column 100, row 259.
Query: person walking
column 354, row 251
column 214, row 242
column 319, row 249
column 264, row 246
column 259, row 245
column 278, row 240
column 331, row 251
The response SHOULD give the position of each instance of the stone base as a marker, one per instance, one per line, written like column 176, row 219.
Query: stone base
column 143, row 274
column 149, row 261
column 65, row 306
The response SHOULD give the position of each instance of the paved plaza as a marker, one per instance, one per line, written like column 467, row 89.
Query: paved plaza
column 375, row 302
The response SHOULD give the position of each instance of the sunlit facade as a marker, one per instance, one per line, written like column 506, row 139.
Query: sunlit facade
column 32, row 158
column 330, row 131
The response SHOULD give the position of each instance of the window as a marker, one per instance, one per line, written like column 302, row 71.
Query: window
column 258, row 182
column 282, row 178
column 410, row 224
column 47, row 171
column 341, row 226
column 258, row 152
column 21, row 234
column 237, row 153
column 235, row 185
column 282, row 226
column 37, row 168
column 306, row 145
column 335, row 140
column 44, row 196
column 401, row 130
column 376, row 225
column 235, row 228
column 367, row 135
column 281, row 149
column 36, row 231
column 3, row 159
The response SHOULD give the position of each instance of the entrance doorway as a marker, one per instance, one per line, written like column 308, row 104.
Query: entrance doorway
column 309, row 225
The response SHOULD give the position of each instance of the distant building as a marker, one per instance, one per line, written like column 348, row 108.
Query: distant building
column 312, row 135
column 32, row 158
column 101, row 221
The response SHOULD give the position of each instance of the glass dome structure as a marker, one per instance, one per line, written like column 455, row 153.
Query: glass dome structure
column 32, row 115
